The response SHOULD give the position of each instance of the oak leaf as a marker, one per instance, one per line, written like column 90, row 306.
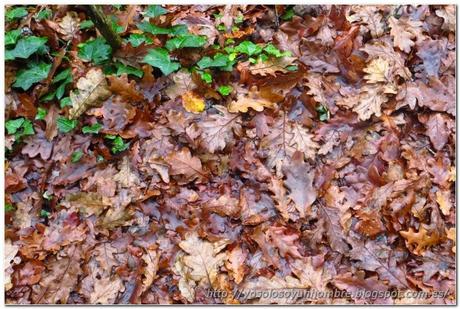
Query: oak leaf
column 370, row 16
column 271, row 66
column 404, row 31
column 250, row 100
column 235, row 263
column 193, row 103
column 421, row 239
column 127, row 89
column 69, row 26
column 183, row 163
column 106, row 290
column 91, row 91
column 437, row 130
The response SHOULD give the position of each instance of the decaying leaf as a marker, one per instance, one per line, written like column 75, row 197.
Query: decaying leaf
column 193, row 103
column 251, row 100
column 91, row 91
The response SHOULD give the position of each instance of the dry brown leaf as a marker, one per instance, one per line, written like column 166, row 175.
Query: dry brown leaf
column 183, row 163
column 272, row 66
column 92, row 91
column 69, row 26
column 127, row 89
column 404, row 31
column 250, row 100
column 421, row 239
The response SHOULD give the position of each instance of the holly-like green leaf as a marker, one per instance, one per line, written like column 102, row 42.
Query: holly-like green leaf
column 159, row 58
column 11, row 37
column 185, row 41
column 76, row 156
column 136, row 39
column 122, row 69
column 26, row 47
column 66, row 125
column 86, row 24
column 248, row 48
column 225, row 90
column 92, row 129
column 41, row 113
column 35, row 73
column 96, row 50
column 155, row 10
column 16, row 13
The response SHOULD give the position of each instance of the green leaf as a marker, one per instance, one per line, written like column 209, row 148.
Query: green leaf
column 121, row 69
column 65, row 102
column 206, row 77
column 155, row 10
column 292, row 68
column 185, row 41
column 47, row 196
column 92, row 129
column 76, row 156
column 26, row 47
column 13, row 125
column 41, row 113
column 118, row 6
column 66, row 125
column 136, row 39
column 119, row 145
column 225, row 90
column 35, row 73
column 63, row 75
column 270, row 49
column 151, row 28
column 288, row 14
column 27, row 128
column 96, row 50
column 323, row 112
column 43, row 14
column 115, row 26
column 16, row 13
column 159, row 58
column 219, row 61
column 248, row 48
column 9, row 207
column 11, row 37
column 86, row 24
column 239, row 19
column 44, row 213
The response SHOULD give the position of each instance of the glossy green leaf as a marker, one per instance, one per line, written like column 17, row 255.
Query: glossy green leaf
column 92, row 129
column 159, row 58
column 11, row 37
column 225, row 90
column 96, row 50
column 26, row 47
column 16, row 13
column 66, row 125
column 86, row 24
column 35, row 73
column 248, row 48
column 41, row 113
column 122, row 69
column 185, row 41
column 155, row 10
column 43, row 14
column 136, row 39
column 76, row 156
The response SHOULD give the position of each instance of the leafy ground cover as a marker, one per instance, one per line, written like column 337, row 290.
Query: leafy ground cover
column 226, row 150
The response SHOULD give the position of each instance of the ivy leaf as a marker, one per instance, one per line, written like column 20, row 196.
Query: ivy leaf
column 19, row 127
column 43, row 14
column 159, row 58
column 86, row 24
column 155, row 10
column 76, row 156
column 136, row 39
column 35, row 73
column 26, row 47
column 63, row 75
column 65, row 102
column 205, row 76
column 122, row 69
column 118, row 144
column 115, row 26
column 219, row 61
column 16, row 13
column 9, row 207
column 11, row 37
column 92, row 129
column 270, row 49
column 225, row 90
column 41, row 113
column 13, row 125
column 248, row 48
column 185, row 41
column 66, row 125
column 288, row 14
column 96, row 50
column 155, row 30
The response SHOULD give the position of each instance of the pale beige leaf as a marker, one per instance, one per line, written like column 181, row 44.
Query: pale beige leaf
column 378, row 71
column 126, row 177
column 9, row 259
column 235, row 263
column 106, row 290
column 250, row 100
column 151, row 259
column 404, row 31
column 271, row 66
column 69, row 25
column 370, row 16
column 182, row 82
column 92, row 91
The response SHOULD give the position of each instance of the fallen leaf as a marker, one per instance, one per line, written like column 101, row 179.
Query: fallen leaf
column 193, row 103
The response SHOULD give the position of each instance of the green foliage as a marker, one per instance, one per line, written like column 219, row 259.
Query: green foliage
column 41, row 113
column 43, row 14
column 11, row 37
column 26, row 47
column 155, row 10
column 92, row 129
column 136, row 39
column 86, row 24
column 205, row 76
column 19, row 127
column 248, row 48
column 288, row 14
column 66, row 125
column 44, row 213
column 225, row 90
column 323, row 112
column 76, row 156
column 159, row 58
column 65, row 102
column 118, row 144
column 220, row 61
column 33, row 74
column 9, row 207
column 16, row 13
column 271, row 50
column 121, row 69
column 115, row 26
column 155, row 30
column 188, row 40
column 97, row 50
column 239, row 19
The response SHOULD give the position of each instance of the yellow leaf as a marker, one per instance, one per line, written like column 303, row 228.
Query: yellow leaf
column 193, row 103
